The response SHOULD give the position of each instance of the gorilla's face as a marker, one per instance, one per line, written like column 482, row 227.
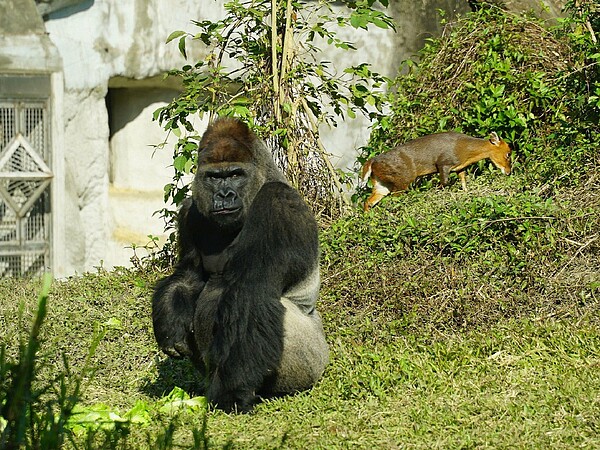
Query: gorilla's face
column 223, row 193
column 228, row 176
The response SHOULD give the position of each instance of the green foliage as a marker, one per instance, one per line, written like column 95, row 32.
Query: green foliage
column 473, row 354
column 261, row 63
column 42, row 407
column 502, row 229
column 90, row 422
column 537, row 87
column 153, row 254
column 444, row 260
column 29, row 419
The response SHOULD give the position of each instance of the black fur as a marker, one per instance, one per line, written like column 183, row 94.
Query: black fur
column 222, row 306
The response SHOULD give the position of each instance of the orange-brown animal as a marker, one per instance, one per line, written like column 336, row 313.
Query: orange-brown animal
column 393, row 171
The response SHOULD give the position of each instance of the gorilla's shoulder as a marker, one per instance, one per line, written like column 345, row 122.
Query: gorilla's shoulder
column 281, row 195
column 188, row 212
column 275, row 187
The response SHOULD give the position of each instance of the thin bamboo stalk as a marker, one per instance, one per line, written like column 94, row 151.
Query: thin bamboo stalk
column 324, row 154
column 274, row 70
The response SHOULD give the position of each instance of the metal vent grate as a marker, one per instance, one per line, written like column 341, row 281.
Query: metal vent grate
column 24, row 189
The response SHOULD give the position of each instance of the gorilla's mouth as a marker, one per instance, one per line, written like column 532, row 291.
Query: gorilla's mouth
column 225, row 211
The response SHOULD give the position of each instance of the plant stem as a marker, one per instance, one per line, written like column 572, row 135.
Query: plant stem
column 315, row 127
column 288, row 38
column 274, row 59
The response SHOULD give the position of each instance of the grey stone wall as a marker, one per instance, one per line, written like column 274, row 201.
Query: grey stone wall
column 100, row 41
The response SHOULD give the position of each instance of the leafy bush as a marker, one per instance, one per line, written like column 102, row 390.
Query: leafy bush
column 537, row 87
column 446, row 259
column 500, row 227
column 262, row 65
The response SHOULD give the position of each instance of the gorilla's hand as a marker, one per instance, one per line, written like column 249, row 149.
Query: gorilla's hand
column 178, row 350
column 173, row 306
column 176, row 345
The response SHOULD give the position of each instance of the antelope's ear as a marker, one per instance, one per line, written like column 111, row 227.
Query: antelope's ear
column 494, row 139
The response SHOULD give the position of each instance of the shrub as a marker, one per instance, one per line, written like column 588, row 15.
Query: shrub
column 537, row 87
column 262, row 65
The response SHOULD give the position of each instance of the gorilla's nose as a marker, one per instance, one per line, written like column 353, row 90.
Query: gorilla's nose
column 225, row 199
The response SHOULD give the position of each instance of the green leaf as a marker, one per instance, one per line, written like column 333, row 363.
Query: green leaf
column 156, row 114
column 188, row 166
column 113, row 322
column 180, row 162
column 178, row 399
column 380, row 23
column 140, row 413
column 182, row 47
column 358, row 21
column 175, row 35
column 99, row 416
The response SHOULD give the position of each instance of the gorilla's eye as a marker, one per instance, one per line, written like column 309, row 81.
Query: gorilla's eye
column 237, row 173
column 215, row 175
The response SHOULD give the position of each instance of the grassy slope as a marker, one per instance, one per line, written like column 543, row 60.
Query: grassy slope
column 427, row 350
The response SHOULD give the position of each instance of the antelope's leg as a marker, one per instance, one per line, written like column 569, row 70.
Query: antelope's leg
column 379, row 191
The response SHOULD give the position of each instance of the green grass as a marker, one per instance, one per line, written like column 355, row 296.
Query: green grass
column 528, row 383
column 429, row 349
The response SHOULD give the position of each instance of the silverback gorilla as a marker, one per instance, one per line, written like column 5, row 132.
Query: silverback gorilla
column 241, row 301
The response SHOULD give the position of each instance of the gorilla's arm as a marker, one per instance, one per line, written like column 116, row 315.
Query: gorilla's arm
column 174, row 298
column 277, row 248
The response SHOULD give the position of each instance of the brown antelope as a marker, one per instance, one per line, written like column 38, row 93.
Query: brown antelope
column 393, row 171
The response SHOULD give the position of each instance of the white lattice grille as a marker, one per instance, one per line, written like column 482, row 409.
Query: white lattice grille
column 34, row 129
column 24, row 189
column 7, row 125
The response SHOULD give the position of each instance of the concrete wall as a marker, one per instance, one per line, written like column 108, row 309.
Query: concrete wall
column 100, row 41
column 137, row 169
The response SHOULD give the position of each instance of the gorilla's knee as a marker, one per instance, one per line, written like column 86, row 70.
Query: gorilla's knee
column 305, row 351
